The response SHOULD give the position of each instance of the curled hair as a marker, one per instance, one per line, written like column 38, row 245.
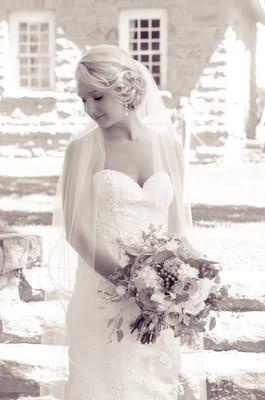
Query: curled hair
column 109, row 68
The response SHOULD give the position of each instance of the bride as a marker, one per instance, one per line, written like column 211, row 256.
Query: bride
column 124, row 173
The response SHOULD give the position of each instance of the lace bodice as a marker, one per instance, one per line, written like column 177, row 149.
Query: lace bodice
column 125, row 209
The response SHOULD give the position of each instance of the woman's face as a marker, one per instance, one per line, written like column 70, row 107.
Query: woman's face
column 101, row 107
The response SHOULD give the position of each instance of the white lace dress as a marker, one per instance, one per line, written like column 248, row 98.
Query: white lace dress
column 101, row 369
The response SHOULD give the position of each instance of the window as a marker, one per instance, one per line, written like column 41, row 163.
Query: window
column 32, row 43
column 143, row 34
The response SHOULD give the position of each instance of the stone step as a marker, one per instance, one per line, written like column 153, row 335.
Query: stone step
column 34, row 143
column 246, row 290
column 30, row 167
column 231, row 375
column 29, row 322
column 208, row 214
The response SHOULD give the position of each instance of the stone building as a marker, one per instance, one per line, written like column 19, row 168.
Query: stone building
column 202, row 52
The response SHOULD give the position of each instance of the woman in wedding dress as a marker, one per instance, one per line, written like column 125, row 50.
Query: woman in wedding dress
column 123, row 174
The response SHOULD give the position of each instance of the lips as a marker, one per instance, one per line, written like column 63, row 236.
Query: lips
column 98, row 117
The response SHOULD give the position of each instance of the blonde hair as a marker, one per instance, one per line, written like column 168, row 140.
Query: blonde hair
column 111, row 69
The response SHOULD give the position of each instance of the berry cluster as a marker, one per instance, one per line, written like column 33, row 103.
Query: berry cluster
column 169, row 277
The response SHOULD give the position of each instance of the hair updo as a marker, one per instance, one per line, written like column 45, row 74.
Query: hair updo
column 109, row 68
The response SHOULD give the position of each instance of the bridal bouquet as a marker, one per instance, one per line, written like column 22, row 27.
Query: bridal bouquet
column 172, row 285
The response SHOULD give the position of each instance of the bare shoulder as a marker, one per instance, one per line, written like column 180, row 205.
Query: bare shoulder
column 74, row 147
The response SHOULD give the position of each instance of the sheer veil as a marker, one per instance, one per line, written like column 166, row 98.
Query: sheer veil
column 75, row 211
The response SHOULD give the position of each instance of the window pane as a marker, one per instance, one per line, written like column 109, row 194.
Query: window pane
column 144, row 46
column 144, row 23
column 133, row 46
column 145, row 58
column 23, row 26
column 44, row 48
column 45, row 83
column 44, row 37
column 45, row 72
column 23, row 61
column 155, row 23
column 34, row 82
column 144, row 35
column 155, row 35
column 44, row 60
column 155, row 46
column 23, row 82
column 157, row 80
column 23, row 37
column 156, row 57
column 24, row 71
column 34, row 71
column 33, row 27
column 33, row 37
column 133, row 35
column 33, row 61
column 135, row 57
column 34, row 48
column 23, row 48
column 44, row 27
column 156, row 69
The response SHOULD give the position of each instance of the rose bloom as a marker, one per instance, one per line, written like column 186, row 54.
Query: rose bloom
column 196, row 302
column 186, row 271
column 120, row 290
column 146, row 277
column 160, row 299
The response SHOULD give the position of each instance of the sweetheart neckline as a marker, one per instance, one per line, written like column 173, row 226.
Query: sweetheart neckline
column 130, row 178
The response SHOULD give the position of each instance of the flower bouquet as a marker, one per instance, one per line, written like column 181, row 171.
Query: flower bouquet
column 173, row 286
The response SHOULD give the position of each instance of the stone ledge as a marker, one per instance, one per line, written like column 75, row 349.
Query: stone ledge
column 19, row 250
column 32, row 322
column 244, row 332
column 233, row 375
column 246, row 291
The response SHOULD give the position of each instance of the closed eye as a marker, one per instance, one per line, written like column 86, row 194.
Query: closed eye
column 95, row 98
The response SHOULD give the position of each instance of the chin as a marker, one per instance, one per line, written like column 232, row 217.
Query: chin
column 104, row 123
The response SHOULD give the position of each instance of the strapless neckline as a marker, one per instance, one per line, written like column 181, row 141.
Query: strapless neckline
column 120, row 173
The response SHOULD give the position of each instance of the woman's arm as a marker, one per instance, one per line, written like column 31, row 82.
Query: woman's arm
column 105, row 264
column 77, row 212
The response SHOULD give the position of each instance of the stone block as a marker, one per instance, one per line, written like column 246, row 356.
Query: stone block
column 246, row 290
column 24, row 366
column 19, row 251
column 243, row 331
column 33, row 322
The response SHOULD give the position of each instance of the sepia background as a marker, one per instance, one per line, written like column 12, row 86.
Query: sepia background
column 208, row 59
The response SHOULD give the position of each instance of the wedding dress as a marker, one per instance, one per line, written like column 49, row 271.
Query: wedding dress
column 102, row 367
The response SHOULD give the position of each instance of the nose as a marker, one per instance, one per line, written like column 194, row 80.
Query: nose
column 90, row 107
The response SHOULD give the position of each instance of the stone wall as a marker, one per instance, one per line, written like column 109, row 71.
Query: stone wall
column 211, row 53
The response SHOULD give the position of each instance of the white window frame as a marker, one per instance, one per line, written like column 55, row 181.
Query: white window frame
column 13, row 85
column 148, row 13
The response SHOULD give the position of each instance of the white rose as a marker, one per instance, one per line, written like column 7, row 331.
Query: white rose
column 147, row 277
column 194, row 308
column 186, row 271
column 204, row 287
column 120, row 290
column 159, row 298
column 196, row 302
